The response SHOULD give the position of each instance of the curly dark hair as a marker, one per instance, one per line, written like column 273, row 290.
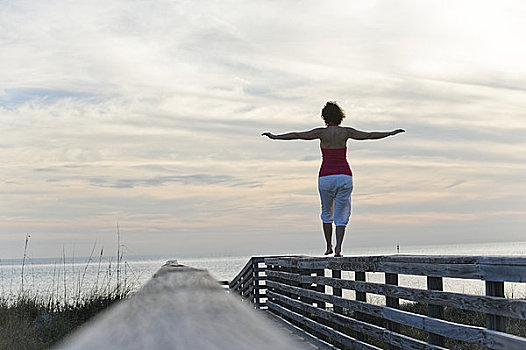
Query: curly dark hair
column 332, row 113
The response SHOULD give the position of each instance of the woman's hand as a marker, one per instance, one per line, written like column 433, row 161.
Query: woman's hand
column 269, row 135
column 397, row 131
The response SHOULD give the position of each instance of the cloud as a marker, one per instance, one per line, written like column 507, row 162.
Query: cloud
column 104, row 104
column 456, row 183
column 196, row 179
column 12, row 98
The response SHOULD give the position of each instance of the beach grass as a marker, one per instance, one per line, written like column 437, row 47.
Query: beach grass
column 36, row 322
column 33, row 320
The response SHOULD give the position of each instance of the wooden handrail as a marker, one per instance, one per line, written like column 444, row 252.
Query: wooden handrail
column 179, row 308
column 249, row 283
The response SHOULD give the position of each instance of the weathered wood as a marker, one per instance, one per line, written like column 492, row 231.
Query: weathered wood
column 502, row 260
column 360, row 296
column 289, row 276
column 448, row 329
column 500, row 306
column 509, row 269
column 436, row 311
column 313, row 263
column 337, row 274
column 503, row 273
column 312, row 339
column 360, row 276
column 494, row 322
column 179, row 308
column 310, row 291
column 425, row 259
column 251, row 269
column 306, row 285
column 392, row 279
column 321, row 329
column 389, row 337
column 503, row 341
column 431, row 259
column 241, row 275
column 256, row 278
column 320, row 287
column 247, row 283
column 420, row 269
column 282, row 261
column 244, row 282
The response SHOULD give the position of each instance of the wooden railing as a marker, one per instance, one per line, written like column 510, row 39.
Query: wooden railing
column 179, row 308
column 250, row 282
column 341, row 301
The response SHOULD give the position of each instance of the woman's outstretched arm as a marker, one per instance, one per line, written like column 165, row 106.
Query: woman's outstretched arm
column 299, row 135
column 374, row 135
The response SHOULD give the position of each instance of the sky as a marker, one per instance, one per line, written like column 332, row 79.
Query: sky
column 147, row 115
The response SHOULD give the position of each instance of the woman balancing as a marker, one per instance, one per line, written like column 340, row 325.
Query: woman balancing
column 335, row 177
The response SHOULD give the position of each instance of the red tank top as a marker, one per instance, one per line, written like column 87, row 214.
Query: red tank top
column 334, row 162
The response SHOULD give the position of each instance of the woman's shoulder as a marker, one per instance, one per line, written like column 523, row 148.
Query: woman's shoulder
column 339, row 130
column 319, row 132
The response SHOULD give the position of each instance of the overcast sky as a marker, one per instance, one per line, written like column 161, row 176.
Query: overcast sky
column 148, row 114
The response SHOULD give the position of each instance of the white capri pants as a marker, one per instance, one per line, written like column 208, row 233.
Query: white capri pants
column 335, row 194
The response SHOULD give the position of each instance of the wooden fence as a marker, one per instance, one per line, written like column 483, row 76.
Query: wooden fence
column 334, row 300
column 250, row 282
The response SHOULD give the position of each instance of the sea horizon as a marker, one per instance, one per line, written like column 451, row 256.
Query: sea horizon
column 498, row 248
column 46, row 276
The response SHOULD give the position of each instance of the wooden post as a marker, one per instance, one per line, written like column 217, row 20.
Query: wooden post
column 336, row 309
column 269, row 267
column 337, row 291
column 308, row 286
column 295, row 270
column 497, row 323
column 360, row 296
column 392, row 279
column 320, row 288
column 435, row 283
column 360, row 276
column 255, row 283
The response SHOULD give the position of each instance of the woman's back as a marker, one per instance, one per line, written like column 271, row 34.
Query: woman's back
column 333, row 137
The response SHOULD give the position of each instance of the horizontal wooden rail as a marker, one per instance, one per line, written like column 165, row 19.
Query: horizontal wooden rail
column 328, row 297
column 349, row 323
column 498, row 269
column 498, row 306
column 179, row 308
column 472, row 334
column 249, row 283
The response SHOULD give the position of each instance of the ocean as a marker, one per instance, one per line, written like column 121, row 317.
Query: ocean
column 69, row 278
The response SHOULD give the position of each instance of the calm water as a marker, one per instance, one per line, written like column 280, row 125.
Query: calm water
column 58, row 278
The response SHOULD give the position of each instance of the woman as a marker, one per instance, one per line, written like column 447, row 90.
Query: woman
column 335, row 176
